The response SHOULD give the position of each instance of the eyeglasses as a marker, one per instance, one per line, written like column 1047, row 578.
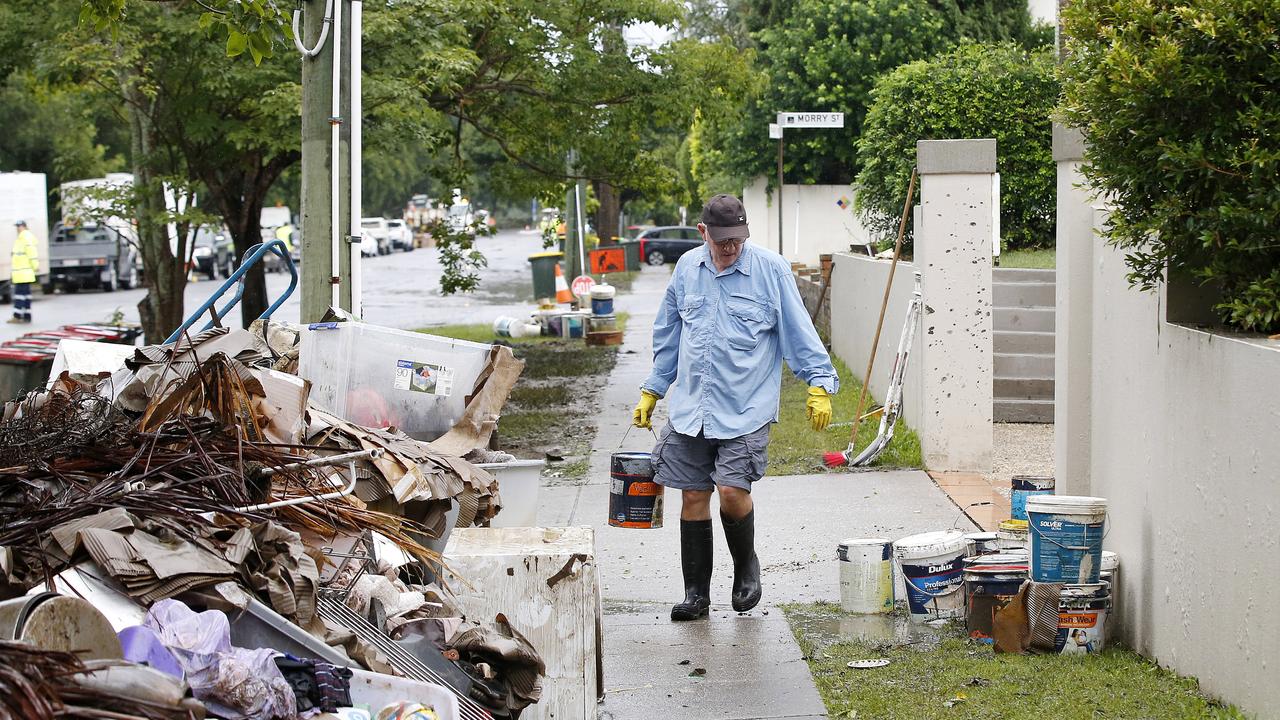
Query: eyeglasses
column 730, row 243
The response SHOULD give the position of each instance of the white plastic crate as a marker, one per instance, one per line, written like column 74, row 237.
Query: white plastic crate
column 377, row 376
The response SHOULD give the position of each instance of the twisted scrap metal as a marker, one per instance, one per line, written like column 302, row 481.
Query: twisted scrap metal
column 53, row 424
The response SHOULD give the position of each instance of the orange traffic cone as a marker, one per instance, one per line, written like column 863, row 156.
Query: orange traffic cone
column 563, row 295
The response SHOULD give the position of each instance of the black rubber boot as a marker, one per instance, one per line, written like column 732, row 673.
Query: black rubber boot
column 741, row 535
column 695, row 562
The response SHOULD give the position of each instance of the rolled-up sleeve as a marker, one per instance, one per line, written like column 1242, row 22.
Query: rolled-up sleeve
column 666, row 345
column 801, row 347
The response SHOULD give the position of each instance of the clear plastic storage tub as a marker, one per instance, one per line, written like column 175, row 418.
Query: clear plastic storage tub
column 377, row 376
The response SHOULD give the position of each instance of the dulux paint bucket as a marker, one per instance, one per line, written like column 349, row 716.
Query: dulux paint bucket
column 1082, row 618
column 933, row 573
column 866, row 575
column 990, row 582
column 635, row 500
column 1066, row 538
column 1023, row 487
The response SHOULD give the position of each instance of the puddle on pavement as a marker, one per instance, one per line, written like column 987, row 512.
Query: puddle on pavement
column 829, row 626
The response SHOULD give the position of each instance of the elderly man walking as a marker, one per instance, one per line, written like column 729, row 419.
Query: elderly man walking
column 26, row 263
column 731, row 315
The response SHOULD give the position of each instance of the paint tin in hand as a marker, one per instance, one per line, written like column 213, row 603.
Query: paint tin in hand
column 635, row 500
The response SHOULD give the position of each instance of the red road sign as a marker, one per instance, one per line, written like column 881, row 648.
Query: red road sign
column 582, row 285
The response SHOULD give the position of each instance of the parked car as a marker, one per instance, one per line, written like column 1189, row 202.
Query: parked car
column 91, row 256
column 378, row 229
column 400, row 234
column 665, row 244
column 214, row 252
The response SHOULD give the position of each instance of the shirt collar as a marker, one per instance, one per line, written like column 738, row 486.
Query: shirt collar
column 742, row 264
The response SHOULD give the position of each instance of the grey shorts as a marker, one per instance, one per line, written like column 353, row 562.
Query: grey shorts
column 682, row 462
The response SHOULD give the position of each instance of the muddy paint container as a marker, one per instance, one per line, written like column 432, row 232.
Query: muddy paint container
column 866, row 575
column 602, row 300
column 1012, row 535
column 980, row 543
column 990, row 582
column 1066, row 538
column 602, row 323
column 635, row 500
column 932, row 572
column 1026, row 486
column 1082, row 619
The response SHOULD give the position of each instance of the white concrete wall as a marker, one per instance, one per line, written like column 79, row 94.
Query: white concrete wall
column 825, row 227
column 857, row 288
column 953, row 244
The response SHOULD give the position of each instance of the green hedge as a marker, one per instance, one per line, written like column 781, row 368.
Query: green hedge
column 974, row 91
column 1178, row 104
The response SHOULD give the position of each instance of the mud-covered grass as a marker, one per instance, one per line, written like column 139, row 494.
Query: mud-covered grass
column 794, row 448
column 551, row 410
column 955, row 678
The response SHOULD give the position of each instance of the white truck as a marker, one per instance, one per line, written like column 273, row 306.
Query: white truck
column 23, row 196
column 91, row 248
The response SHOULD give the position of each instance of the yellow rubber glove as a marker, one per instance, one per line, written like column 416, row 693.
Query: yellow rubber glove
column 819, row 409
column 643, row 415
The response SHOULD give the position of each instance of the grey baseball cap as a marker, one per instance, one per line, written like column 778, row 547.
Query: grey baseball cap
column 725, row 218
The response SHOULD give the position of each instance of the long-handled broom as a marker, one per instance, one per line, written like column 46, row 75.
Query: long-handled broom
column 837, row 459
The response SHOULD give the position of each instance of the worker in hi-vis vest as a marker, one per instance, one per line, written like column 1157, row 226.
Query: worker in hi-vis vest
column 26, row 263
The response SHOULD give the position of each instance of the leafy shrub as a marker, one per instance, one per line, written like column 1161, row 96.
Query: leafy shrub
column 1178, row 106
column 974, row 91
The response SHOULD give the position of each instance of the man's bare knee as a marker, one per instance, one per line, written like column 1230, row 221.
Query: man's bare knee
column 695, row 504
column 734, row 502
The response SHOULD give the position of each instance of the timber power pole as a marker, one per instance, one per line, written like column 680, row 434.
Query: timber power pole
column 324, row 34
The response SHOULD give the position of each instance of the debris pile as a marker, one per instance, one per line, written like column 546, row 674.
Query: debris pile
column 189, row 536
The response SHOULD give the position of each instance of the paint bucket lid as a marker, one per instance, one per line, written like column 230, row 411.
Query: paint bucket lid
column 1032, row 483
column 1086, row 591
column 930, row 544
column 1013, row 525
column 602, row 292
column 842, row 550
column 1002, row 562
column 631, row 463
column 863, row 541
column 1067, row 505
column 1110, row 561
column 980, row 537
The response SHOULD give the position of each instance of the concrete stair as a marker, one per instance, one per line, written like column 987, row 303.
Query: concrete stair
column 1023, row 317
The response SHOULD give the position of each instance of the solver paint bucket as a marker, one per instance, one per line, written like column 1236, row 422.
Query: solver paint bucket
column 1082, row 618
column 1023, row 487
column 1066, row 537
column 635, row 500
column 866, row 575
column 990, row 582
column 933, row 572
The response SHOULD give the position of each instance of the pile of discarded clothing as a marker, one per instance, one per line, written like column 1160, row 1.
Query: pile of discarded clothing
column 188, row 536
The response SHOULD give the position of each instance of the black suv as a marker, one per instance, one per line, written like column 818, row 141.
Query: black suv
column 660, row 245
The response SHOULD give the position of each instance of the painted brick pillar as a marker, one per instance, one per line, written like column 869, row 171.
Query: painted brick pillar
column 953, row 246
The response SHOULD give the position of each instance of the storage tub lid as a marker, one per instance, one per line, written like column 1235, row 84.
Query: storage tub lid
column 930, row 544
column 1067, row 504
column 602, row 292
column 1110, row 561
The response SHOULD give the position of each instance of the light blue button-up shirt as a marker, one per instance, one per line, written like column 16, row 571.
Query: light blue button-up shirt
column 720, row 338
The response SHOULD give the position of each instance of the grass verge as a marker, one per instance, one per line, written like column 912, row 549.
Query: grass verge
column 550, row 407
column 1039, row 259
column 794, row 448
column 958, row 679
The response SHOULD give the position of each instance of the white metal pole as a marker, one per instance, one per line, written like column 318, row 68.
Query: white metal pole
column 357, row 122
column 582, row 244
column 335, row 160
column 795, row 241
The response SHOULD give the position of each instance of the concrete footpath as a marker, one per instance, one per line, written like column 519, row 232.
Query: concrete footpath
column 754, row 669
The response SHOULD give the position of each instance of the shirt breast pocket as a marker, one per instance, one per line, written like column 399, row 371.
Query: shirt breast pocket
column 747, row 321
column 691, row 308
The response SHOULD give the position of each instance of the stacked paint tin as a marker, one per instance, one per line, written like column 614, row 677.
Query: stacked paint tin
column 602, row 325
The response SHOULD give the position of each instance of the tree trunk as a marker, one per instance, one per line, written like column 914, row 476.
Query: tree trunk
column 609, row 210
column 161, row 311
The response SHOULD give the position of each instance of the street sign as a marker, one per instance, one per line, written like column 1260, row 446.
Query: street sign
column 775, row 131
column 582, row 285
column 810, row 120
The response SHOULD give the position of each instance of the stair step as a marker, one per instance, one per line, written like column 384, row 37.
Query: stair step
column 1009, row 342
column 1009, row 275
column 1023, row 388
column 1023, row 365
column 1023, row 411
column 1023, row 294
column 1033, row 319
